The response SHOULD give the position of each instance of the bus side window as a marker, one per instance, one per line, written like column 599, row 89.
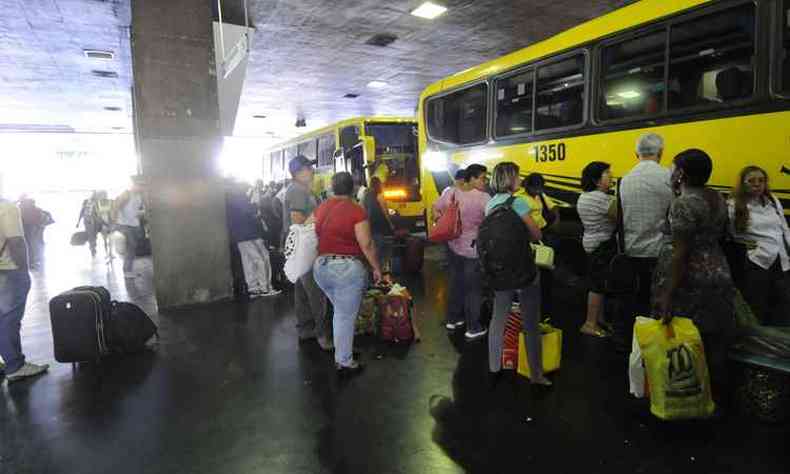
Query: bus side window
column 560, row 94
column 632, row 77
column 514, row 104
column 349, row 137
column 712, row 58
column 459, row 117
column 326, row 150
column 785, row 53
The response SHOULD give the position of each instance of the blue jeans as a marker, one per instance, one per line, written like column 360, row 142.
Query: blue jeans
column 14, row 287
column 343, row 280
column 466, row 291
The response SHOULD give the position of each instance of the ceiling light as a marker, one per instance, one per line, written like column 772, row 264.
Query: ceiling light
column 429, row 10
column 98, row 54
column 105, row 74
column 630, row 94
column 112, row 108
column 377, row 84
column 259, row 116
column 351, row 96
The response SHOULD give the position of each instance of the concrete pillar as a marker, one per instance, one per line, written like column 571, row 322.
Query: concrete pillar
column 179, row 139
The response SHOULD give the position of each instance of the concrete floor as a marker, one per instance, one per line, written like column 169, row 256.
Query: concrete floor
column 228, row 390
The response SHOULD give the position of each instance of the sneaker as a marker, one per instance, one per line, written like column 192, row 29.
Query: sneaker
column 2, row 365
column 474, row 335
column 455, row 325
column 348, row 370
column 27, row 370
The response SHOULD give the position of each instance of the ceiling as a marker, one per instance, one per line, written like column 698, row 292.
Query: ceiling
column 306, row 55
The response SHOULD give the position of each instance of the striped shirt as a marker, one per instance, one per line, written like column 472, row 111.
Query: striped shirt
column 593, row 209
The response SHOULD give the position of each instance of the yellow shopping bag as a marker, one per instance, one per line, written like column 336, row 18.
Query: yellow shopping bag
column 676, row 370
column 552, row 350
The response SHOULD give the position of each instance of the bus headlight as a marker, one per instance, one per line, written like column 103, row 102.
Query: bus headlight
column 395, row 193
column 435, row 161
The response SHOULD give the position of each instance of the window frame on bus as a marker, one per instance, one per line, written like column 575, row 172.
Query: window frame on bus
column 487, row 132
column 599, row 80
column 326, row 137
column 534, row 66
column 667, row 24
column 780, row 9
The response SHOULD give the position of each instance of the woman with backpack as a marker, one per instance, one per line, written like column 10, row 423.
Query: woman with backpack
column 504, row 251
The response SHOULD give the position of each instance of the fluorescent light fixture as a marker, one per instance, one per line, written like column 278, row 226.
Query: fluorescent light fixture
column 428, row 10
column 377, row 84
column 629, row 94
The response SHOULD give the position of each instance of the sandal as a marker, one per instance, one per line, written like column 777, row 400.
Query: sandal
column 593, row 332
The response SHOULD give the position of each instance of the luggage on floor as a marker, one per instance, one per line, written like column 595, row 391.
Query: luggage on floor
column 676, row 370
column 396, row 321
column 368, row 316
column 552, row 350
column 407, row 255
column 510, row 343
column 413, row 255
column 129, row 329
column 78, row 320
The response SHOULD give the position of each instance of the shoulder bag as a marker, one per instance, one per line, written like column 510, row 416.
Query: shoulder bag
column 621, row 276
column 448, row 227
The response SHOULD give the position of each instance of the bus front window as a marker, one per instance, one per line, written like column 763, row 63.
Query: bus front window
column 396, row 159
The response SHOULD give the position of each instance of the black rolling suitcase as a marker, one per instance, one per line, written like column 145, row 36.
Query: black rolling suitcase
column 78, row 320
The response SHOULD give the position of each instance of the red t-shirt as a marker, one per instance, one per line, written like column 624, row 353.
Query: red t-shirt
column 334, row 223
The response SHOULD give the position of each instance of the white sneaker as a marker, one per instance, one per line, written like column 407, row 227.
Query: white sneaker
column 471, row 336
column 454, row 326
column 26, row 371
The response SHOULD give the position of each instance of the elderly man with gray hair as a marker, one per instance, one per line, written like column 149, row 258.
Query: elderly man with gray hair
column 646, row 194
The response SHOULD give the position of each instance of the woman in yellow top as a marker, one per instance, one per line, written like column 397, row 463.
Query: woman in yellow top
column 545, row 214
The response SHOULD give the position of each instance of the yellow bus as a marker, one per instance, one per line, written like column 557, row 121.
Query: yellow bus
column 364, row 146
column 713, row 75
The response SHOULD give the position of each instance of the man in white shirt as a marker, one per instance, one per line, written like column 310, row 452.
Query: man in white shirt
column 646, row 193
column 14, row 287
column 128, row 208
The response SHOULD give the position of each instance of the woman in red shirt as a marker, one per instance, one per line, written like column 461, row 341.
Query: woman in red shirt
column 344, row 245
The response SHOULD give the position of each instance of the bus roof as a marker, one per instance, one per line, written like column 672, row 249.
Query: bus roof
column 629, row 16
column 341, row 124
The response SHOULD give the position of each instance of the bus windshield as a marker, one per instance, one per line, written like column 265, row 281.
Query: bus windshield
column 396, row 147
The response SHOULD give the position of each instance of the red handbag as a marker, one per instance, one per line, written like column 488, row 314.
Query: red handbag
column 448, row 227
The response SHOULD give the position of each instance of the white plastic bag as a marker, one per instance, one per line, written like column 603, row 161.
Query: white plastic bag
column 301, row 250
column 636, row 366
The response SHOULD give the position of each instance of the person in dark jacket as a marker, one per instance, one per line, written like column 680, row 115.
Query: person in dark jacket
column 246, row 235
column 381, row 225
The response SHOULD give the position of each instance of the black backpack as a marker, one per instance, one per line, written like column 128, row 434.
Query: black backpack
column 130, row 328
column 504, row 251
